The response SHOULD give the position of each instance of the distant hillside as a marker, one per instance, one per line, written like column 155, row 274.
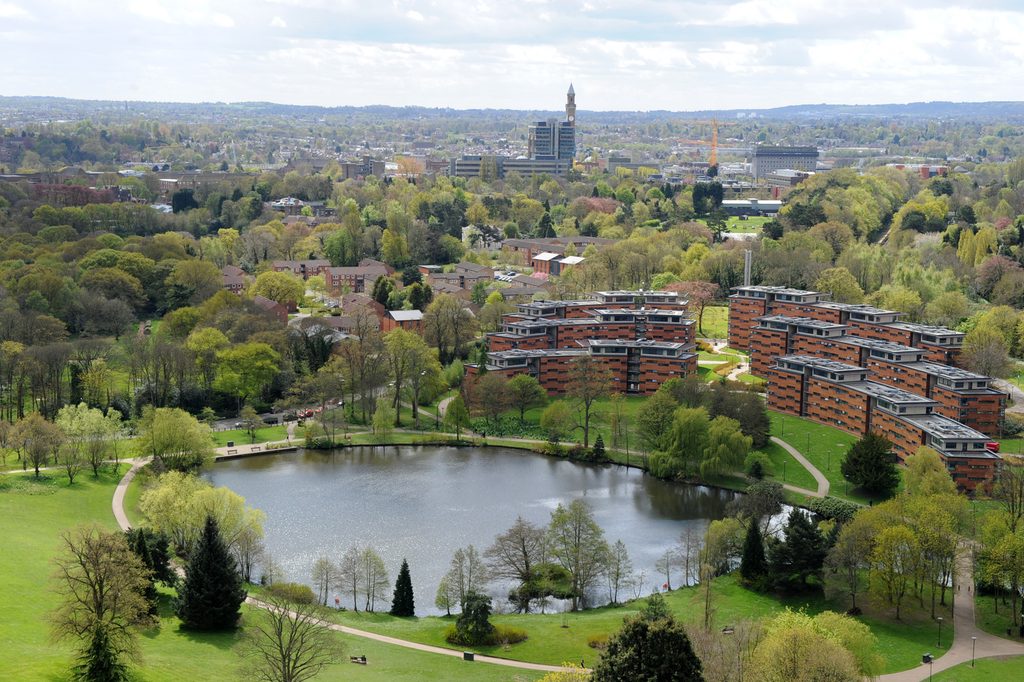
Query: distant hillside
column 55, row 108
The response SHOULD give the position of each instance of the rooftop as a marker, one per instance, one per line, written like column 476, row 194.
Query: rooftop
column 821, row 363
column 775, row 290
column 947, row 371
column 879, row 344
column 406, row 315
column 890, row 393
column 925, row 329
column 546, row 255
column 946, row 428
column 639, row 343
column 803, row 322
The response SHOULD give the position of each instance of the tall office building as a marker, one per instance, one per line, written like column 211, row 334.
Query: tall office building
column 555, row 140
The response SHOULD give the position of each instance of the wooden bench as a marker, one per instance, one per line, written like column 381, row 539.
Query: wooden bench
column 361, row 660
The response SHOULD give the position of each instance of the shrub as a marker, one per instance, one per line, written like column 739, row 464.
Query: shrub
column 724, row 369
column 293, row 592
column 756, row 465
column 833, row 508
column 501, row 635
column 599, row 642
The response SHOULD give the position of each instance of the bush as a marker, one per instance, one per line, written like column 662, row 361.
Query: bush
column 833, row 508
column 501, row 635
column 599, row 642
column 552, row 449
column 724, row 369
column 293, row 592
column 756, row 465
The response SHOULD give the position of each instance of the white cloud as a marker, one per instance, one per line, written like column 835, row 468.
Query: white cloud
column 278, row 22
column 8, row 10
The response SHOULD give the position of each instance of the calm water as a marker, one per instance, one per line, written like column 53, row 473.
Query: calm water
column 422, row 503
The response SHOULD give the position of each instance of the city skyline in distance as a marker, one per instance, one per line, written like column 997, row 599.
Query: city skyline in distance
column 642, row 55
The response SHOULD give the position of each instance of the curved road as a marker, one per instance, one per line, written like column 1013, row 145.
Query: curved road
column 117, row 504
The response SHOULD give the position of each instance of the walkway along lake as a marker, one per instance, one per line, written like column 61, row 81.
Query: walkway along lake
column 423, row 502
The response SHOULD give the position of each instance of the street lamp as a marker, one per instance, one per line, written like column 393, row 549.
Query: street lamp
column 928, row 658
column 940, row 630
column 974, row 644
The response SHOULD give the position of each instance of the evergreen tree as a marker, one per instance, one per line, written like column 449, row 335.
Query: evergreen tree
column 753, row 565
column 599, row 453
column 871, row 464
column 801, row 553
column 649, row 648
column 141, row 549
column 474, row 623
column 212, row 593
column 100, row 662
column 402, row 603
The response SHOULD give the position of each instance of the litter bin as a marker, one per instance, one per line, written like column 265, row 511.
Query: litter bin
column 468, row 655
column 231, row 443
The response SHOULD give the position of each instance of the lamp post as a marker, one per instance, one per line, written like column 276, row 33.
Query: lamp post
column 974, row 644
column 783, row 470
column 940, row 630
column 928, row 658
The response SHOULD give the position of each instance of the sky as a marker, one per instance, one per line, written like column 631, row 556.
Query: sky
column 643, row 55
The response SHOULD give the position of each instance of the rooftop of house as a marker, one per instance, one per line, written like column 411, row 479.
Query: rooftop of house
column 406, row 315
column 890, row 393
column 948, row 429
column 819, row 363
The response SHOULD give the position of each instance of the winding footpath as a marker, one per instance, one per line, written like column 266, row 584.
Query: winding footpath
column 964, row 629
column 117, row 504
column 819, row 477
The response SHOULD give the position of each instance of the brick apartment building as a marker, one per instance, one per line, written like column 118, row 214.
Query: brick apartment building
column 862, row 369
column 841, row 395
column 642, row 346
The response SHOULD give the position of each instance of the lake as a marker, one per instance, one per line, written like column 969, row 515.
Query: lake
column 422, row 503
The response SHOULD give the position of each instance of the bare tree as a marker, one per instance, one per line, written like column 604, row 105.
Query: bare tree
column 101, row 583
column 618, row 572
column 687, row 550
column 325, row 575
column 288, row 642
column 517, row 552
column 467, row 573
column 664, row 565
column 589, row 381
column 247, row 547
column 375, row 578
column 577, row 543
column 350, row 576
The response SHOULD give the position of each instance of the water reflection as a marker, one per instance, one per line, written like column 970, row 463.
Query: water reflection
column 422, row 503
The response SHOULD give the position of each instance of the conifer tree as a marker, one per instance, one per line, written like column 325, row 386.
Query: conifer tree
column 141, row 549
column 212, row 592
column 402, row 603
column 100, row 662
column 801, row 553
column 753, row 565
column 871, row 464
column 599, row 451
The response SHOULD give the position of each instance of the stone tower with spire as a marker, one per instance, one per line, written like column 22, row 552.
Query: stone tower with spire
column 570, row 106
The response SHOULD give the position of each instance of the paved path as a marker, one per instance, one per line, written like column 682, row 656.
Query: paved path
column 819, row 477
column 987, row 646
column 442, row 407
column 1016, row 396
column 122, row 520
column 117, row 503
column 479, row 658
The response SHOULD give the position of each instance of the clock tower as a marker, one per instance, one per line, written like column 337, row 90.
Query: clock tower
column 570, row 106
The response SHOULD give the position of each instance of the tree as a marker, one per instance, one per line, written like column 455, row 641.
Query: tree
column 557, row 420
column 801, row 648
column 800, row 554
column 406, row 354
column 173, row 438
column 618, row 572
column 985, row 351
column 589, row 381
column 325, row 575
column 517, row 553
column 402, row 601
column 871, row 464
column 89, row 431
column 649, row 648
column 374, row 578
column 448, row 326
column 446, row 596
column 655, row 419
column 726, row 447
column 577, row 543
column 842, row 285
column 244, row 370
column 490, row 395
column 848, row 560
column 251, row 421
column 288, row 642
column 526, row 392
column 350, row 577
column 698, row 294
column 101, row 585
column 211, row 595
column 1008, row 491
column 456, row 416
column 926, row 474
column 753, row 565
column 474, row 625
column 384, row 418
column 282, row 287
column 893, row 559
column 39, row 439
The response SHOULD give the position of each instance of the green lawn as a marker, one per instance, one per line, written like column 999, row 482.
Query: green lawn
column 984, row 670
column 785, row 468
column 715, row 324
column 824, row 446
column 734, row 224
column 986, row 617
column 239, row 436
column 557, row 637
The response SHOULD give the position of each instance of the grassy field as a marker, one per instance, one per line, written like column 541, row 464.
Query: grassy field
column 263, row 435
column 556, row 637
column 987, row 619
column 824, row 446
column 32, row 517
column 734, row 224
column 984, row 671
column 716, row 322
